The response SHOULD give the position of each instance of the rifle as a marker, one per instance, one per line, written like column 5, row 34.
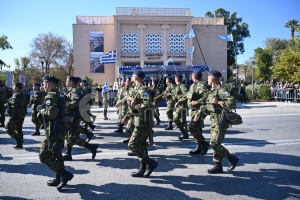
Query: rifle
column 57, row 124
column 76, row 117
column 222, row 122
column 46, row 133
column 13, row 119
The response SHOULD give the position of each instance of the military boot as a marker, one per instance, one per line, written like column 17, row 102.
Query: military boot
column 233, row 160
column 170, row 127
column 217, row 169
column 68, row 155
column 54, row 182
column 37, row 132
column 65, row 177
column 89, row 135
column 93, row 149
column 126, row 141
column 19, row 141
column 157, row 121
column 131, row 153
column 184, row 134
column 141, row 171
column 151, row 165
column 92, row 127
column 197, row 150
column 205, row 145
column 120, row 129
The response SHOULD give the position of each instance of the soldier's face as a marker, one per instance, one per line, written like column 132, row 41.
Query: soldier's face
column 210, row 80
column 46, row 87
column 81, row 84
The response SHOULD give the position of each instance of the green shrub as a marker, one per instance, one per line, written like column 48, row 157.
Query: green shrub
column 249, row 92
column 264, row 92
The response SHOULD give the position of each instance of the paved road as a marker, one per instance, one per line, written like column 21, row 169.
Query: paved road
column 267, row 143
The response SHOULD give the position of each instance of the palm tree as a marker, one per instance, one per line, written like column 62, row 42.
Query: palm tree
column 293, row 25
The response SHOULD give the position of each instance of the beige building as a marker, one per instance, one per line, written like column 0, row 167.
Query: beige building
column 146, row 36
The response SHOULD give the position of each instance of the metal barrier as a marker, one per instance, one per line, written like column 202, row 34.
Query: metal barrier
column 286, row 95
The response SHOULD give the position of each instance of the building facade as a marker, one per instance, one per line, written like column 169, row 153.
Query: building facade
column 146, row 36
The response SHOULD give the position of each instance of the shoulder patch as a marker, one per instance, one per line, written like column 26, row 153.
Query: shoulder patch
column 225, row 92
column 75, row 95
column 185, row 89
column 145, row 94
column 48, row 101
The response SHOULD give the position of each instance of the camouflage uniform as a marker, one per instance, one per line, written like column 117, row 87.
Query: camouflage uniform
column 73, row 96
column 169, row 93
column 138, row 140
column 105, row 104
column 120, row 96
column 128, row 115
column 180, row 114
column 157, row 94
column 16, row 111
column 228, row 102
column 54, row 160
column 2, row 108
column 37, row 98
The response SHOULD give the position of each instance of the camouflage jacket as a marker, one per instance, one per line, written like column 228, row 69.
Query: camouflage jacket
column 179, row 92
column 157, row 93
column 169, row 93
column 16, row 105
column 37, row 98
column 73, row 97
column 50, row 109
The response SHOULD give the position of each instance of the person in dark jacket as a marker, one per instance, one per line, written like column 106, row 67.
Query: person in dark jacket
column 243, row 93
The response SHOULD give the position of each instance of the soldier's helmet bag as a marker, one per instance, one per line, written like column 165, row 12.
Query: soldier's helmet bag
column 234, row 118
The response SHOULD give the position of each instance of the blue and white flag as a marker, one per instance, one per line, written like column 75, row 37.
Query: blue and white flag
column 191, row 50
column 105, row 88
column 190, row 35
column 109, row 57
column 226, row 37
column 168, row 61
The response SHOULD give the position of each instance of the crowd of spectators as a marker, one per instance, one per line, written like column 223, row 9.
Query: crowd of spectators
column 284, row 91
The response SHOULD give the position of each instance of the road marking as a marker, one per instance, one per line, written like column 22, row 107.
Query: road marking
column 156, row 149
column 269, row 115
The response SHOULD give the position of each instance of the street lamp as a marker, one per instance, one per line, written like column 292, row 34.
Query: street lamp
column 252, row 63
column 42, row 62
column 245, row 73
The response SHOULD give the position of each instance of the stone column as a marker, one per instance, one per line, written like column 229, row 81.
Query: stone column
column 141, row 43
column 165, row 41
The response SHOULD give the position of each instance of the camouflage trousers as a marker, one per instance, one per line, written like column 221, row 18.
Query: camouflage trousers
column 16, row 131
column 195, row 129
column 2, row 113
column 180, row 118
column 129, row 127
column 35, row 121
column 72, row 138
column 169, row 111
column 54, row 160
column 219, row 151
column 156, row 111
column 138, row 140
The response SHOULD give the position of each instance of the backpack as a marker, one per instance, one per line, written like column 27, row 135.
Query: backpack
column 234, row 118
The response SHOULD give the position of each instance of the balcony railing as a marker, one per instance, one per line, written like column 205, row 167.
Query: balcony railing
column 94, row 20
column 153, row 11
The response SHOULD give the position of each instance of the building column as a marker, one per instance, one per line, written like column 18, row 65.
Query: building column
column 165, row 39
column 141, row 43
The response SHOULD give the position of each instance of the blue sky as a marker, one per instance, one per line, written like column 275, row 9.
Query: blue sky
column 23, row 20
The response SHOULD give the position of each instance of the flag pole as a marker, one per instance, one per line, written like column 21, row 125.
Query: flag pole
column 199, row 46
column 236, row 66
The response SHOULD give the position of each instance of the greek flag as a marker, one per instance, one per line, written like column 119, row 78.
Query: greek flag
column 168, row 61
column 105, row 88
column 109, row 57
column 190, row 35
column 226, row 37
column 191, row 50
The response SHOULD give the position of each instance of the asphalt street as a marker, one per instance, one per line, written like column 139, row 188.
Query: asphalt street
column 267, row 143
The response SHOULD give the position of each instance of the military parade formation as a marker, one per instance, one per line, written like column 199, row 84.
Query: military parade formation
column 59, row 114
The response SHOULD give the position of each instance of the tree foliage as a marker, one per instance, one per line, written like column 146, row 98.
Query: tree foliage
column 293, row 25
column 287, row 66
column 22, row 63
column 263, row 63
column 276, row 44
column 4, row 44
column 236, row 27
column 54, row 49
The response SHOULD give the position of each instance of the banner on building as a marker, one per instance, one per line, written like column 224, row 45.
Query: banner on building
column 96, row 51
column 22, row 79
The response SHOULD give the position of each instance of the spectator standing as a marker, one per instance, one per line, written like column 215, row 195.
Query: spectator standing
column 243, row 93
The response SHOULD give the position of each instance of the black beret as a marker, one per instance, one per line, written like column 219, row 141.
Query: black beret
column 198, row 74
column 18, row 84
column 37, row 84
column 215, row 73
column 179, row 76
column 169, row 78
column 84, row 81
column 72, row 78
column 78, row 79
column 51, row 79
column 140, row 74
